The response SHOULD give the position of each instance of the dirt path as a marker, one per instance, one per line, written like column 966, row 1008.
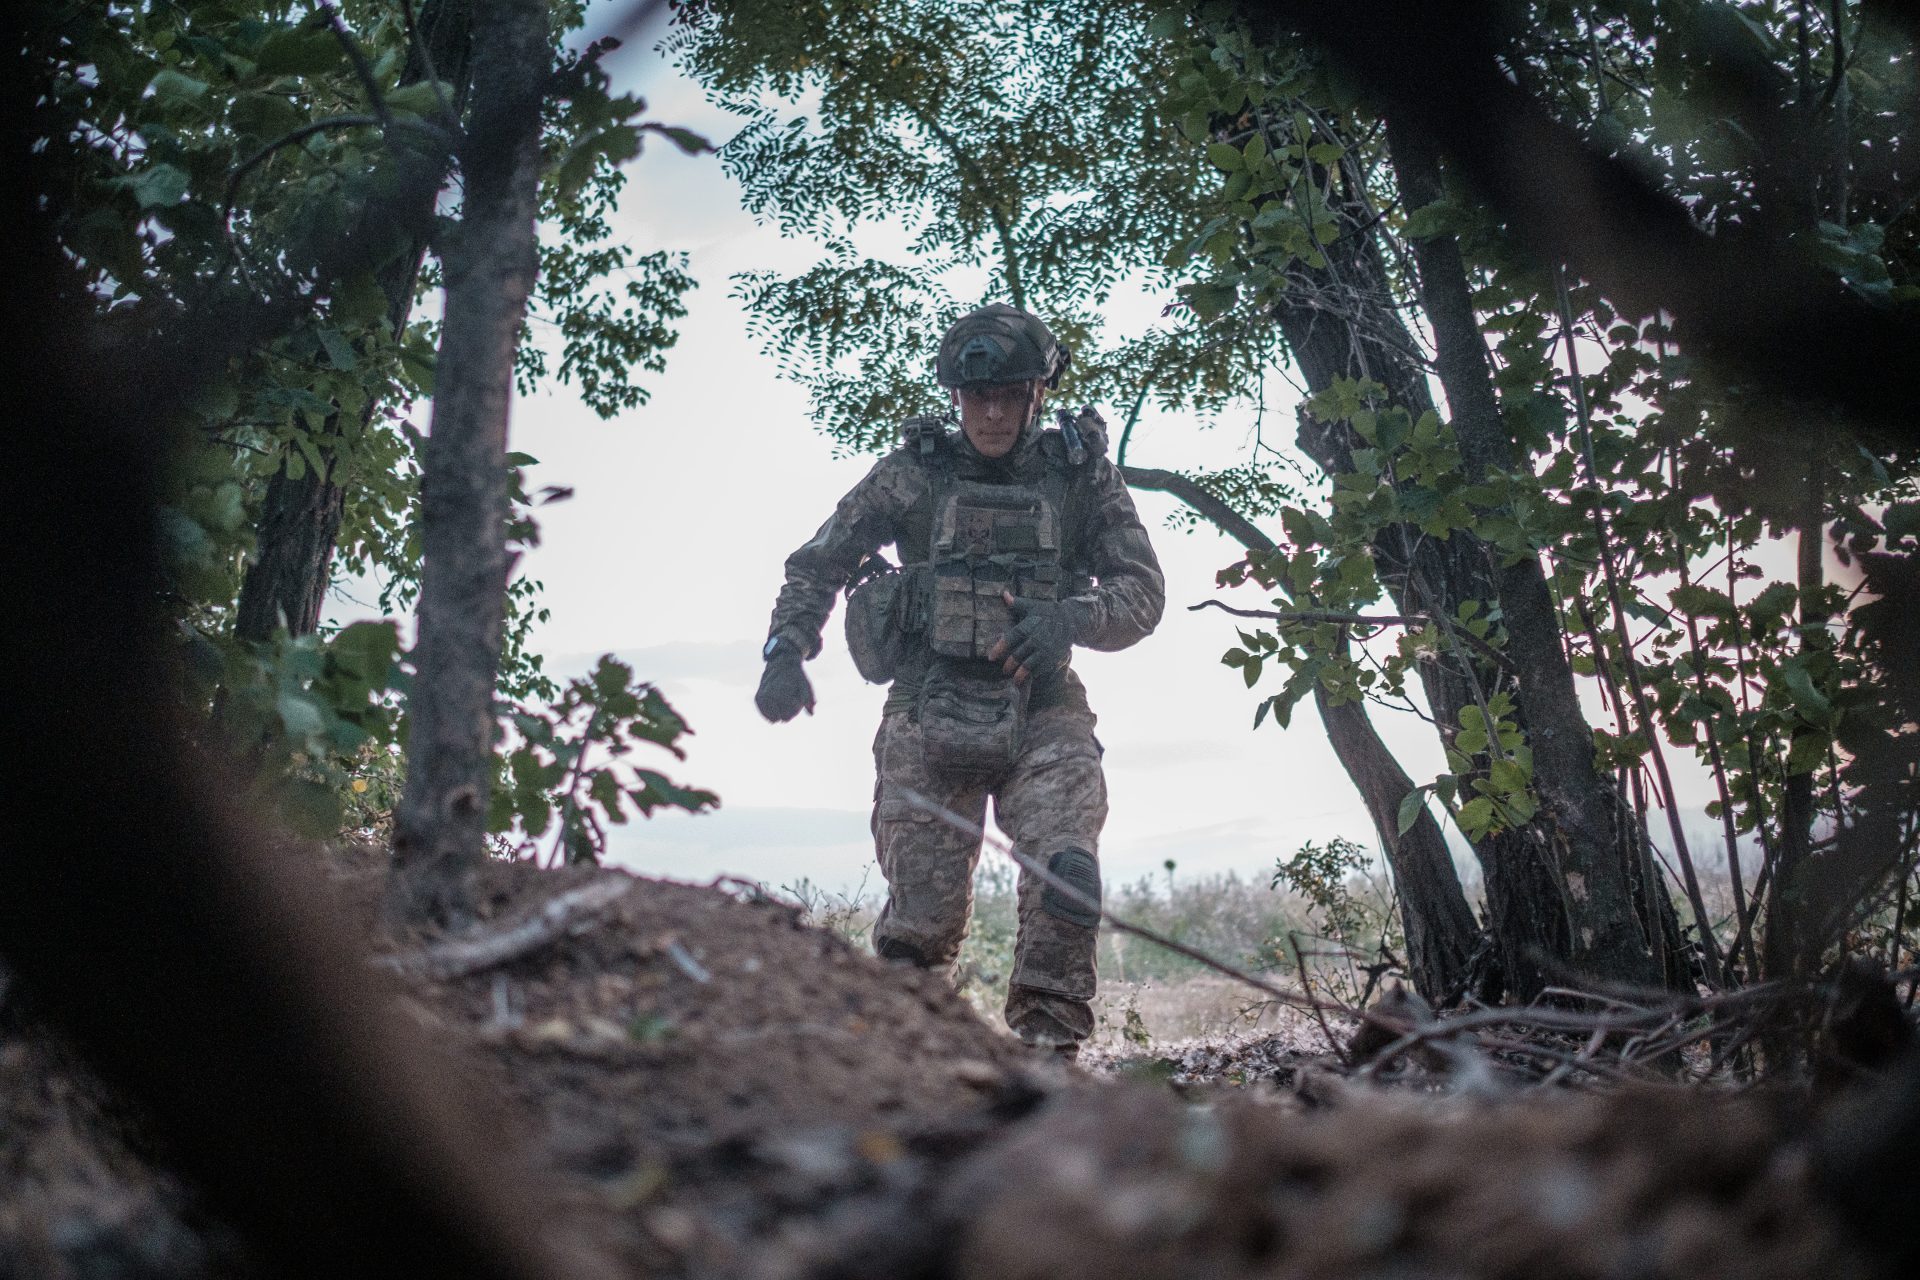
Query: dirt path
column 720, row 1090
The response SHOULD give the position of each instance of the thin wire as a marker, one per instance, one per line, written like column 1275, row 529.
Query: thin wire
column 1086, row 903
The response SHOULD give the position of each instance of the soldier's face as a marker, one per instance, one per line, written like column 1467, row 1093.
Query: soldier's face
column 993, row 417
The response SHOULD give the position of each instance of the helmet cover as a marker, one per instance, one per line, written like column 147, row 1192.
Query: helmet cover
column 998, row 345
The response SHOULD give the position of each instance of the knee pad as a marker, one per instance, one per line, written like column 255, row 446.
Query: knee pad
column 1075, row 867
column 895, row 949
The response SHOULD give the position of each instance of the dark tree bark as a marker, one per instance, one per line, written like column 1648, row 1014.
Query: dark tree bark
column 140, row 914
column 490, row 265
column 1574, row 887
column 1604, row 844
column 1441, row 934
column 1791, row 943
column 299, row 525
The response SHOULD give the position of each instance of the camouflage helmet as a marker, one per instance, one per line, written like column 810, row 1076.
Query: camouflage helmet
column 996, row 345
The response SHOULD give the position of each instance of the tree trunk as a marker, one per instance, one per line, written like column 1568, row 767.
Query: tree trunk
column 299, row 526
column 490, row 265
column 1441, row 934
column 1574, row 887
column 213, row 982
column 1791, row 945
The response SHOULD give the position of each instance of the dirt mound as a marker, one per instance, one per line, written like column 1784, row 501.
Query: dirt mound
column 718, row 1089
column 706, row 1067
column 1130, row 1183
column 80, row 1192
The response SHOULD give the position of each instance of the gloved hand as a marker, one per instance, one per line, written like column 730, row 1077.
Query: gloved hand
column 1041, row 637
column 784, row 691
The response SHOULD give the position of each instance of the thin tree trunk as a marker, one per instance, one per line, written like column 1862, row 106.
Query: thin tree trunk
column 299, row 524
column 1441, row 934
column 491, row 265
column 1790, row 946
column 1566, row 888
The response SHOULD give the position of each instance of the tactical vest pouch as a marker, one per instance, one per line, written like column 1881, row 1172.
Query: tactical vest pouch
column 972, row 717
column 884, row 609
column 988, row 541
column 873, row 638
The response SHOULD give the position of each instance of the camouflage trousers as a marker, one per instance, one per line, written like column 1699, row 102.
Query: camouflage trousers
column 1051, row 804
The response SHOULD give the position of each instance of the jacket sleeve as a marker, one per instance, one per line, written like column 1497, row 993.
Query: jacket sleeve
column 1129, row 592
column 867, row 519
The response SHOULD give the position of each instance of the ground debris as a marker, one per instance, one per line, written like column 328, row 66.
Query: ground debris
column 720, row 1090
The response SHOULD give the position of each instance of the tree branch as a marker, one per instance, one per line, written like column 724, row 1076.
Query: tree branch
column 1214, row 508
column 1319, row 615
column 362, row 69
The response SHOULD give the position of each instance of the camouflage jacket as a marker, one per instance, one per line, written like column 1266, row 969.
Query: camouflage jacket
column 1103, row 542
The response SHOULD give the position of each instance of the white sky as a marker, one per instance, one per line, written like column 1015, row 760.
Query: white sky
column 670, row 553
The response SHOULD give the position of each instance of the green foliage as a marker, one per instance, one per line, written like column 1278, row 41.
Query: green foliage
column 1346, row 905
column 1010, row 144
column 209, row 151
column 571, row 768
column 321, row 715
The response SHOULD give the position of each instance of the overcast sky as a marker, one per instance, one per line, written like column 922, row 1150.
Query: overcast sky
column 670, row 553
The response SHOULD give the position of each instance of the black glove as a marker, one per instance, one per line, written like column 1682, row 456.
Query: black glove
column 784, row 691
column 1041, row 637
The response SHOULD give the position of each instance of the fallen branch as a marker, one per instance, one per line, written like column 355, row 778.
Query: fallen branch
column 570, row 913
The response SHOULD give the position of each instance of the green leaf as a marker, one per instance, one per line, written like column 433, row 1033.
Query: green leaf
column 1412, row 805
column 1476, row 815
column 158, row 186
column 359, row 299
column 605, row 790
column 171, row 87
column 1807, row 698
column 339, row 350
column 367, row 649
column 1210, row 299
column 1696, row 599
column 301, row 717
column 687, row 140
column 1508, row 776
column 1775, row 602
column 1808, row 752
column 1225, row 157
column 299, row 51
column 1429, row 220
column 419, row 98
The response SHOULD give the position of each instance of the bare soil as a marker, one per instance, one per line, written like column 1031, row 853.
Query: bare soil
column 720, row 1090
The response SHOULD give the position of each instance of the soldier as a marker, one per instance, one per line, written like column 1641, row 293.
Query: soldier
column 1015, row 545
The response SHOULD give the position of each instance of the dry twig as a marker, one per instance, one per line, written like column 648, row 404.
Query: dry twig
column 572, row 912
